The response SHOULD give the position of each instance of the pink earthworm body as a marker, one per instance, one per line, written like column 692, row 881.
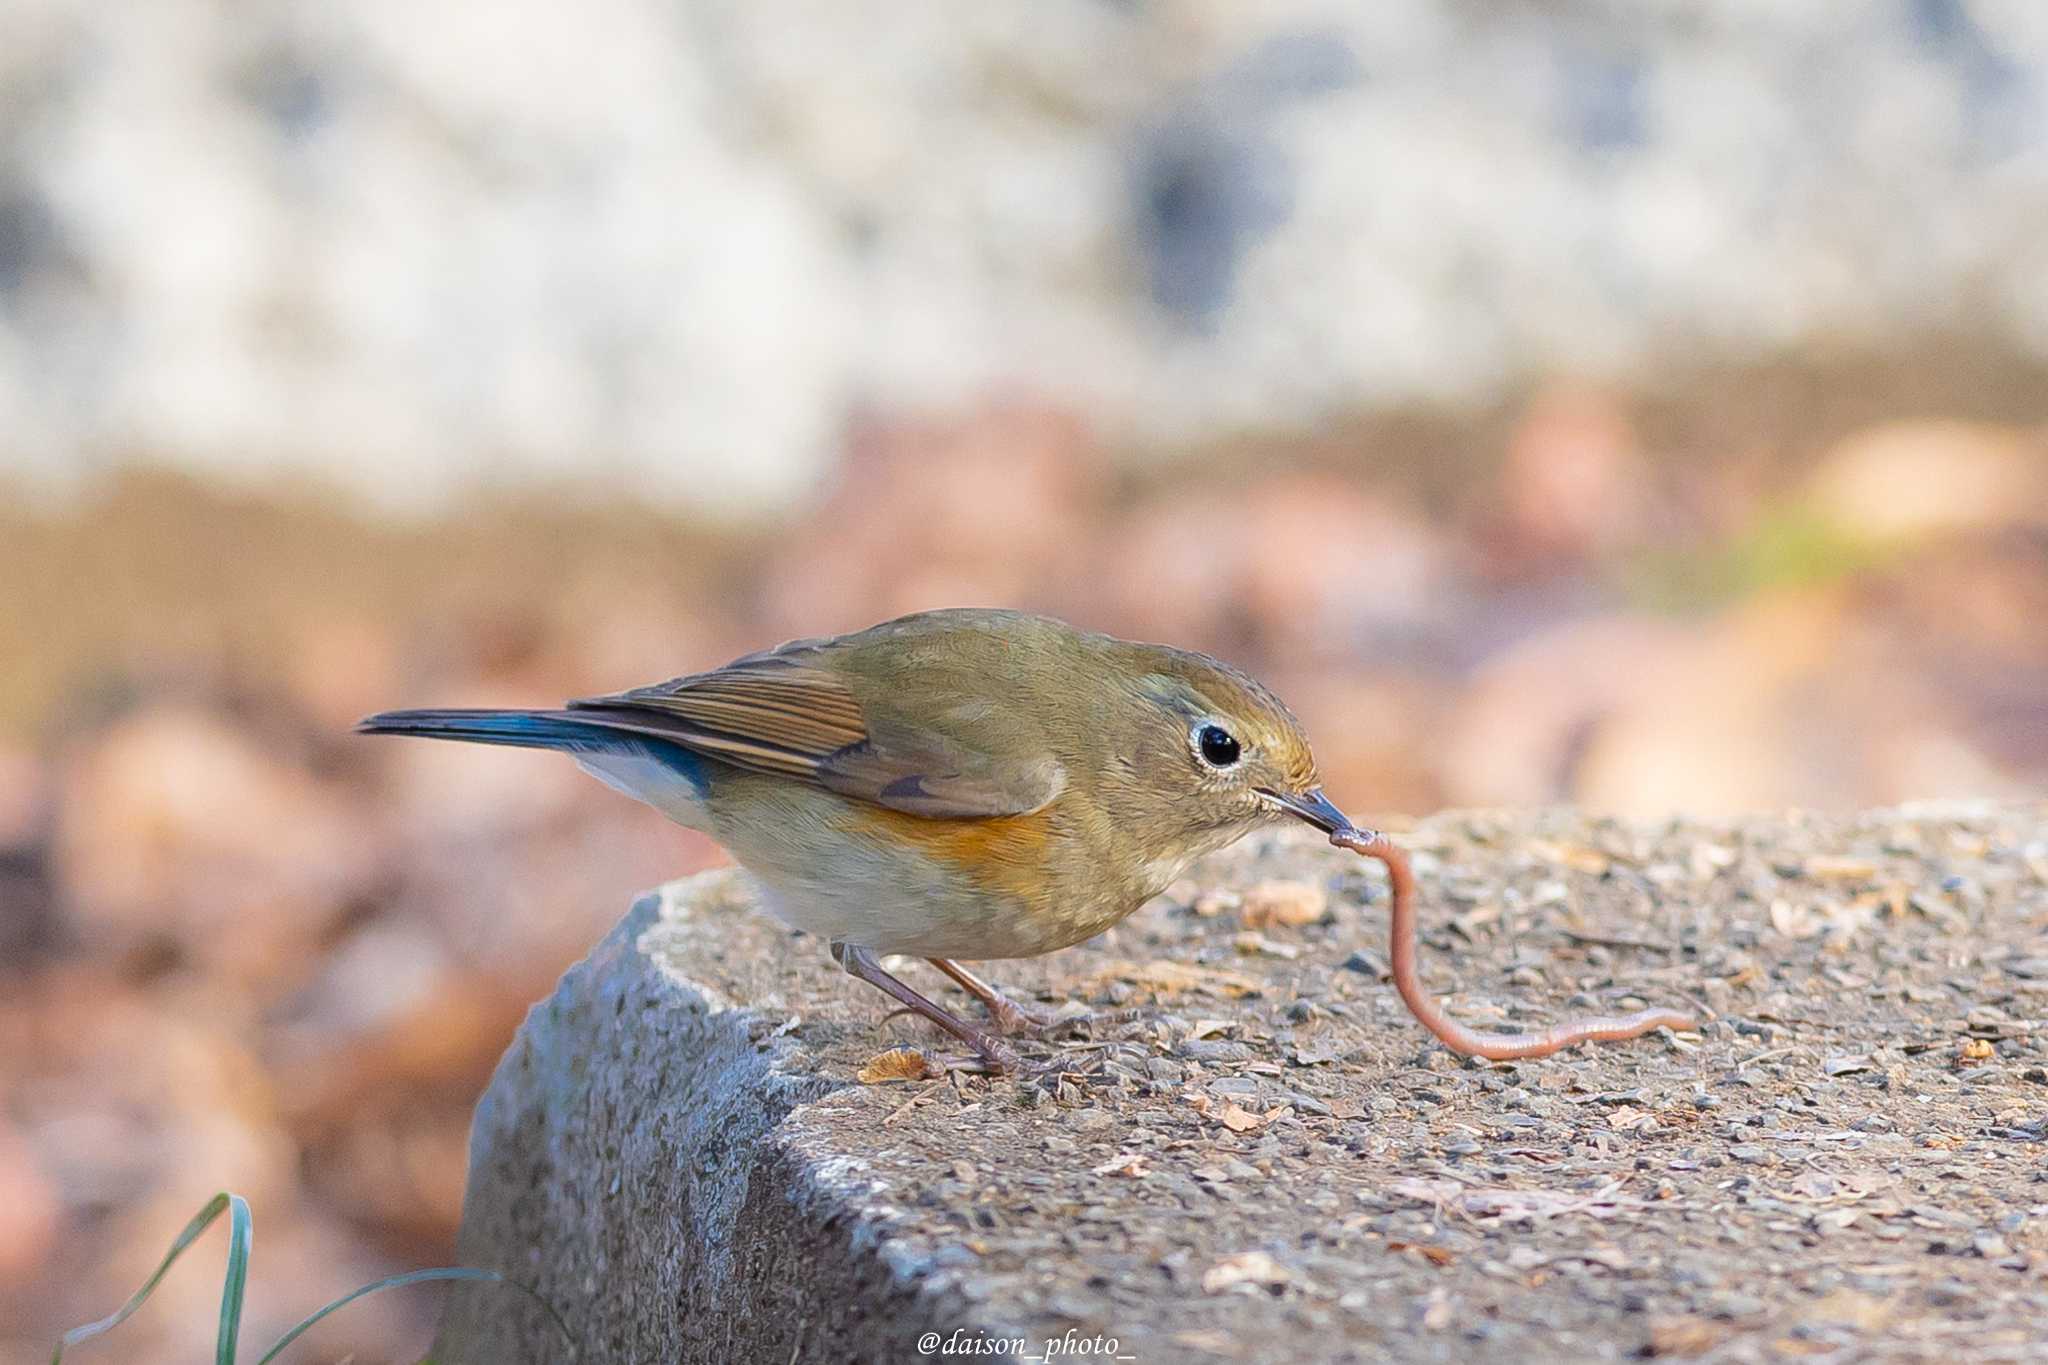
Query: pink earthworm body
column 1497, row 1047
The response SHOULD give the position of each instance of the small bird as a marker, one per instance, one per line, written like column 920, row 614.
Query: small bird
column 966, row 783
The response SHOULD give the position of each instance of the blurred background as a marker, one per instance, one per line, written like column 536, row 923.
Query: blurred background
column 1638, row 405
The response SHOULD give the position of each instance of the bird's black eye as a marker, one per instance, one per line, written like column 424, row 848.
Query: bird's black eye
column 1219, row 747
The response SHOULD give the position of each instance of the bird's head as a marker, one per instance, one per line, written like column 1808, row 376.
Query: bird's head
column 1214, row 754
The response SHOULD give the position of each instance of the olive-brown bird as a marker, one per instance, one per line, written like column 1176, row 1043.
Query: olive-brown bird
column 974, row 784
column 954, row 784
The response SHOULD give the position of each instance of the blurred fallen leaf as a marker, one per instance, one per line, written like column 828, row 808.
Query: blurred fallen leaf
column 1289, row 904
column 1627, row 1118
column 1239, row 1120
column 1435, row 1255
column 1165, row 977
column 897, row 1064
column 1577, row 857
column 1258, row 945
column 1128, row 1164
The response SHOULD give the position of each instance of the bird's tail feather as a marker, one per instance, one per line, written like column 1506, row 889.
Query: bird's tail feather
column 645, row 767
column 521, row 729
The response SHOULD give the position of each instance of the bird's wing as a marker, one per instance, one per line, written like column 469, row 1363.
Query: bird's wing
column 789, row 713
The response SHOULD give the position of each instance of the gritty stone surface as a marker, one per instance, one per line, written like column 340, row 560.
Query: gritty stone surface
column 1255, row 1154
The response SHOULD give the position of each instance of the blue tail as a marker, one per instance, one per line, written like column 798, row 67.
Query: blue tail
column 522, row 729
column 641, row 765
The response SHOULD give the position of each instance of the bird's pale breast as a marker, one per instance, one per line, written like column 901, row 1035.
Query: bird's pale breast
column 1012, row 886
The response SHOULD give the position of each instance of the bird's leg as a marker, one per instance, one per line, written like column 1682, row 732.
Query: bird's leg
column 1011, row 1016
column 860, row 962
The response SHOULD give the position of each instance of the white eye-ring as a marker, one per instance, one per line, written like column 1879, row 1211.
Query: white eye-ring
column 1215, row 745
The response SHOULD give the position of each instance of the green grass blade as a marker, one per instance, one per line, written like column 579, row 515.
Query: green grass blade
column 416, row 1277
column 201, row 1221
column 241, row 1229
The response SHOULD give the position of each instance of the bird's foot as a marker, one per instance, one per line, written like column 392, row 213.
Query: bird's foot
column 1016, row 1018
column 996, row 1059
column 1070, row 1017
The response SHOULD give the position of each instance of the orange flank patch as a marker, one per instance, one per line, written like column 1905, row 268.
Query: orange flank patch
column 1005, row 855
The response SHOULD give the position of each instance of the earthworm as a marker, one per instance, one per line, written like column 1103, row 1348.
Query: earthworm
column 1497, row 1047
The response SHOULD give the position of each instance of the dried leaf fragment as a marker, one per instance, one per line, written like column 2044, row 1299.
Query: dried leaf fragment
column 1164, row 977
column 1577, row 857
column 1238, row 1119
column 897, row 1064
column 1258, row 945
column 1429, row 1251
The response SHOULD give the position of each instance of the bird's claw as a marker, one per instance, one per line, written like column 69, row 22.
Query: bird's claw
column 1014, row 1018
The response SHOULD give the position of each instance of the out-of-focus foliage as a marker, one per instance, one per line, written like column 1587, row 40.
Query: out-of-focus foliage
column 240, row 941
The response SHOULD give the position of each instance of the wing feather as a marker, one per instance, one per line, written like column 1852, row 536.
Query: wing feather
column 787, row 715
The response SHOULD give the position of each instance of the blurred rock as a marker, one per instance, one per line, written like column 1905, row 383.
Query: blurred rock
column 1517, row 734
column 1909, row 480
column 1964, row 626
column 179, row 831
column 1704, row 726
column 1776, row 705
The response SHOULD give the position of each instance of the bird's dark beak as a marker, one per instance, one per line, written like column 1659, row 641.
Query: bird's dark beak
column 1311, row 806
